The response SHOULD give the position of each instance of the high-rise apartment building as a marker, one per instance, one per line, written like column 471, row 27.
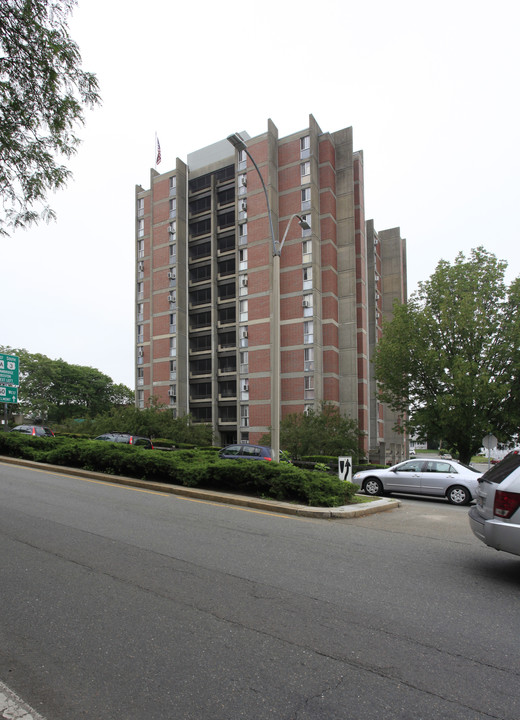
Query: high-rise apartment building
column 204, row 285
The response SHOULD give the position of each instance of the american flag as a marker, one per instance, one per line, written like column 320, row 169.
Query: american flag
column 158, row 159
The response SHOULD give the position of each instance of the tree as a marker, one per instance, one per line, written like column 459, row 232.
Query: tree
column 55, row 389
column 448, row 362
column 43, row 92
column 323, row 432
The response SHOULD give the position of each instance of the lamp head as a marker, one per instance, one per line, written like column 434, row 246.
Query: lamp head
column 237, row 141
column 303, row 223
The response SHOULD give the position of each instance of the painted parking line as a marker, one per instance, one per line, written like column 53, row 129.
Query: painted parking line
column 13, row 707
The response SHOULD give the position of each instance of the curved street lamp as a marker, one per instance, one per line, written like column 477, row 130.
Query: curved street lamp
column 238, row 142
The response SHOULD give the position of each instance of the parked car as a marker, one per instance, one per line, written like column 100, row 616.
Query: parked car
column 250, row 452
column 128, row 438
column 495, row 519
column 426, row 476
column 34, row 430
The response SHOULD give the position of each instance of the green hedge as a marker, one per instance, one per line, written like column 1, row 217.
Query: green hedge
column 191, row 468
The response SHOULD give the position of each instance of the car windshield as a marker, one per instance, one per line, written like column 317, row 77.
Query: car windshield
column 498, row 473
column 469, row 467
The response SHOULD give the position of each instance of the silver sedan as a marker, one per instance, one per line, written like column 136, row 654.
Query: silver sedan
column 427, row 476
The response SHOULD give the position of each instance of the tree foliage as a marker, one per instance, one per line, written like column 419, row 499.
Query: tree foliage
column 449, row 360
column 55, row 390
column 323, row 432
column 43, row 93
column 154, row 422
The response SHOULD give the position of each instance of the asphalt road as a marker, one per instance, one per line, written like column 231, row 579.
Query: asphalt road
column 122, row 604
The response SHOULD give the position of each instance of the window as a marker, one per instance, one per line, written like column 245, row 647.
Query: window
column 242, row 159
column 242, row 259
column 140, row 207
column 308, row 393
column 140, row 249
column 242, row 209
column 173, row 253
column 173, row 346
column 173, row 185
column 305, row 147
column 242, row 283
column 308, row 359
column 243, row 311
column 244, row 389
column 140, row 312
column 173, row 322
column 140, row 334
column 242, row 234
column 173, row 208
column 306, row 251
column 140, row 270
column 172, row 299
column 306, row 198
column 243, row 337
column 307, row 278
column 172, row 393
column 140, row 398
column 140, row 376
column 244, row 416
column 308, row 332
column 140, row 290
column 172, row 277
column 307, row 304
column 140, row 228
column 172, row 229
column 173, row 369
column 305, row 172
column 244, row 361
column 242, row 184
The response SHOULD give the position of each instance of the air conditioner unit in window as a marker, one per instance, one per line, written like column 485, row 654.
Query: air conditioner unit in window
column 171, row 276
column 172, row 393
column 140, row 352
column 243, row 180
column 306, row 303
column 140, row 266
column 243, row 333
column 171, row 229
column 243, row 282
column 243, row 205
column 171, row 298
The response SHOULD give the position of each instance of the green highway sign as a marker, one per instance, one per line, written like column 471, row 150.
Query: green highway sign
column 8, row 394
column 9, row 369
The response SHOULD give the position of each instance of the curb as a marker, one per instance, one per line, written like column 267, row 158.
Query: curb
column 343, row 512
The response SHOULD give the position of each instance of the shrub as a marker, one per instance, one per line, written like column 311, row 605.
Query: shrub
column 190, row 467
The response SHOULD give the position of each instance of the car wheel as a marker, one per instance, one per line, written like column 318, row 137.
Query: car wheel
column 373, row 486
column 458, row 495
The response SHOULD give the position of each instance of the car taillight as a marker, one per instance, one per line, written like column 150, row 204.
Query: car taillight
column 33, row 431
column 131, row 440
column 506, row 503
column 268, row 458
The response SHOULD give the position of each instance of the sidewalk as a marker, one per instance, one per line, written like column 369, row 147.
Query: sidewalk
column 344, row 512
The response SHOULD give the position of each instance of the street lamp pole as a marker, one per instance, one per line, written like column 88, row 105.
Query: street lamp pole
column 238, row 142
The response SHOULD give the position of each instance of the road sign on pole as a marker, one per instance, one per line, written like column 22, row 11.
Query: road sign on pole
column 345, row 468
column 9, row 369
column 8, row 394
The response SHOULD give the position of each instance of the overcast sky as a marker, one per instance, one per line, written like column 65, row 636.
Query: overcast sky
column 430, row 89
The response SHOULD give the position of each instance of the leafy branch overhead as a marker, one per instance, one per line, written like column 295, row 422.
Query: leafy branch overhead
column 43, row 93
column 449, row 360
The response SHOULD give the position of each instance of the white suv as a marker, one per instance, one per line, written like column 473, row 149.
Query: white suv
column 495, row 519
